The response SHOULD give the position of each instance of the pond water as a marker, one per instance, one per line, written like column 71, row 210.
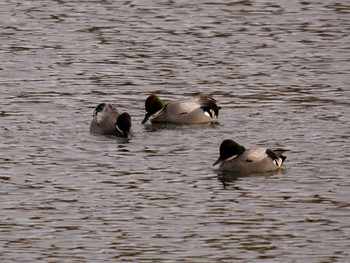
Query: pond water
column 278, row 69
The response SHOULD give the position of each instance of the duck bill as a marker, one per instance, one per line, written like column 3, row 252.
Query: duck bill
column 125, row 133
column 218, row 161
column 145, row 119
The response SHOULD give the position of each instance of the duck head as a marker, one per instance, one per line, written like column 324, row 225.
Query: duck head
column 229, row 150
column 153, row 104
column 124, row 123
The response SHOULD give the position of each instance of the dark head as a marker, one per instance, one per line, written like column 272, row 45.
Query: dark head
column 229, row 149
column 124, row 123
column 153, row 104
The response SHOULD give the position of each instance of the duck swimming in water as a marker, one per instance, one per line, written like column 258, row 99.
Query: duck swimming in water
column 194, row 110
column 236, row 158
column 107, row 121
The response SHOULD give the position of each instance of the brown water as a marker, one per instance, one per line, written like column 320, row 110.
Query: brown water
column 280, row 71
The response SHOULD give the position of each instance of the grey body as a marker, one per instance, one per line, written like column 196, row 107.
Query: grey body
column 183, row 111
column 253, row 160
column 104, row 122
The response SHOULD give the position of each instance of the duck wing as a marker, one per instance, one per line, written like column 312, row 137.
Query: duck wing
column 106, row 114
column 180, row 107
column 261, row 160
column 254, row 154
column 207, row 104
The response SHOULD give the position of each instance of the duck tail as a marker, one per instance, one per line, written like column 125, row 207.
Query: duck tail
column 283, row 158
column 276, row 156
column 99, row 108
column 208, row 104
column 279, row 152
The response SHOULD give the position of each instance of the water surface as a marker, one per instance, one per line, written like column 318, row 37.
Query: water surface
column 280, row 72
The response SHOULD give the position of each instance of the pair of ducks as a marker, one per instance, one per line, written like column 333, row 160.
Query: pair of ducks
column 233, row 156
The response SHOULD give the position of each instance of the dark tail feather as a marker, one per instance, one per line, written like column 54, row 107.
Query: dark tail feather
column 283, row 158
column 280, row 151
column 276, row 154
column 208, row 104
column 99, row 108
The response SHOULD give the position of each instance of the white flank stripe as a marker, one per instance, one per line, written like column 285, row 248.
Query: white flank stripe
column 231, row 158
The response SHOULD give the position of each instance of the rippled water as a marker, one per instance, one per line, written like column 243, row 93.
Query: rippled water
column 280, row 71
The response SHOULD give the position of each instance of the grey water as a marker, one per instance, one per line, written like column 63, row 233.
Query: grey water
column 280, row 72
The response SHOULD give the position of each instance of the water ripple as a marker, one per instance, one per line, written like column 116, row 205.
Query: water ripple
column 278, row 70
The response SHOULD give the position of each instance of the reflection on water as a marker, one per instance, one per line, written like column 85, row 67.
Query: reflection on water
column 278, row 70
column 228, row 179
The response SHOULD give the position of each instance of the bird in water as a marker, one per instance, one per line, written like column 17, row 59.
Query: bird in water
column 193, row 110
column 236, row 158
column 108, row 121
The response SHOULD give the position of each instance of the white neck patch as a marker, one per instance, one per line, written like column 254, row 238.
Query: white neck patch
column 231, row 158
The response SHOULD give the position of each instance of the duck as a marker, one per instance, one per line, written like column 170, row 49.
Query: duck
column 108, row 121
column 237, row 159
column 201, row 109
